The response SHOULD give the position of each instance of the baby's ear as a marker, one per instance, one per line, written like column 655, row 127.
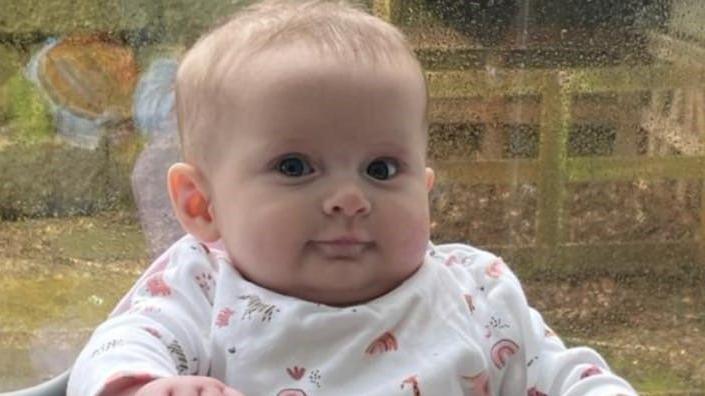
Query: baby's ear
column 190, row 202
column 430, row 179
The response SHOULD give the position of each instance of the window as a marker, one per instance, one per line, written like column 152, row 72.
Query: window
column 567, row 136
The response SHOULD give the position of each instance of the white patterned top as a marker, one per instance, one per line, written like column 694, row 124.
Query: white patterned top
column 459, row 326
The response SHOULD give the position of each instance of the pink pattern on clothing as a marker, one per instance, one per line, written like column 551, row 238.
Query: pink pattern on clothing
column 535, row 392
column 152, row 331
column 480, row 383
column 158, row 265
column 502, row 350
column 291, row 392
column 157, row 286
column 224, row 316
column 494, row 270
column 384, row 343
column 590, row 371
column 451, row 260
column 296, row 372
column 413, row 381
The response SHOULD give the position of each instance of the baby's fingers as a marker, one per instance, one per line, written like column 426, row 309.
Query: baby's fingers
column 211, row 391
column 231, row 392
column 219, row 391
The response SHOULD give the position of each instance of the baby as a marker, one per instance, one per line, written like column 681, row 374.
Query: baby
column 307, row 267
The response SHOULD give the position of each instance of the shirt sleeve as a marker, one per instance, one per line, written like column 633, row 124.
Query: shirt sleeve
column 526, row 356
column 165, row 331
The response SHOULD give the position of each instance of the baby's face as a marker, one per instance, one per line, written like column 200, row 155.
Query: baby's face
column 322, row 192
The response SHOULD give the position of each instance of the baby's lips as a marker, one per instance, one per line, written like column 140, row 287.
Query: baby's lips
column 344, row 249
column 343, row 239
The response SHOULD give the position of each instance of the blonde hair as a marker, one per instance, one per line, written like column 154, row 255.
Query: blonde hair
column 333, row 28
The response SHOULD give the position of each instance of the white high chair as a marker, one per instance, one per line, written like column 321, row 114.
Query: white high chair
column 53, row 387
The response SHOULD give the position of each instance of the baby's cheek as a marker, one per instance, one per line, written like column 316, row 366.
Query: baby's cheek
column 273, row 234
column 270, row 225
column 411, row 231
column 417, row 240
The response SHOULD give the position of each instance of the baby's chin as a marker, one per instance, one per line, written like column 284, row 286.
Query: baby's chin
column 340, row 299
column 345, row 291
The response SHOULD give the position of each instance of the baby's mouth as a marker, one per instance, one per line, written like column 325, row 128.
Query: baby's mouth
column 342, row 249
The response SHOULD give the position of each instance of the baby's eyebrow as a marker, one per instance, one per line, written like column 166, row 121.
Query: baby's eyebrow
column 393, row 147
column 276, row 146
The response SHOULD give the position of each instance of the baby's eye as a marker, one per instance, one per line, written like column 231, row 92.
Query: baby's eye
column 383, row 169
column 294, row 167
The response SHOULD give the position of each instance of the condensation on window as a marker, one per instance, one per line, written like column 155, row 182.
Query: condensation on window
column 567, row 136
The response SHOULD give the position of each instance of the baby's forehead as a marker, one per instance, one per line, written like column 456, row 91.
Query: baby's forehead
column 285, row 56
column 288, row 79
column 300, row 66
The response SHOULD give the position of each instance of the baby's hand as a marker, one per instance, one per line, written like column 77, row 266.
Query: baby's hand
column 186, row 386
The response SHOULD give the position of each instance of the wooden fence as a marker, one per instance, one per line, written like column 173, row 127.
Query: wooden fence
column 553, row 169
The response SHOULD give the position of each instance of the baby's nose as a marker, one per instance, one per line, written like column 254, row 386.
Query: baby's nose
column 349, row 201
